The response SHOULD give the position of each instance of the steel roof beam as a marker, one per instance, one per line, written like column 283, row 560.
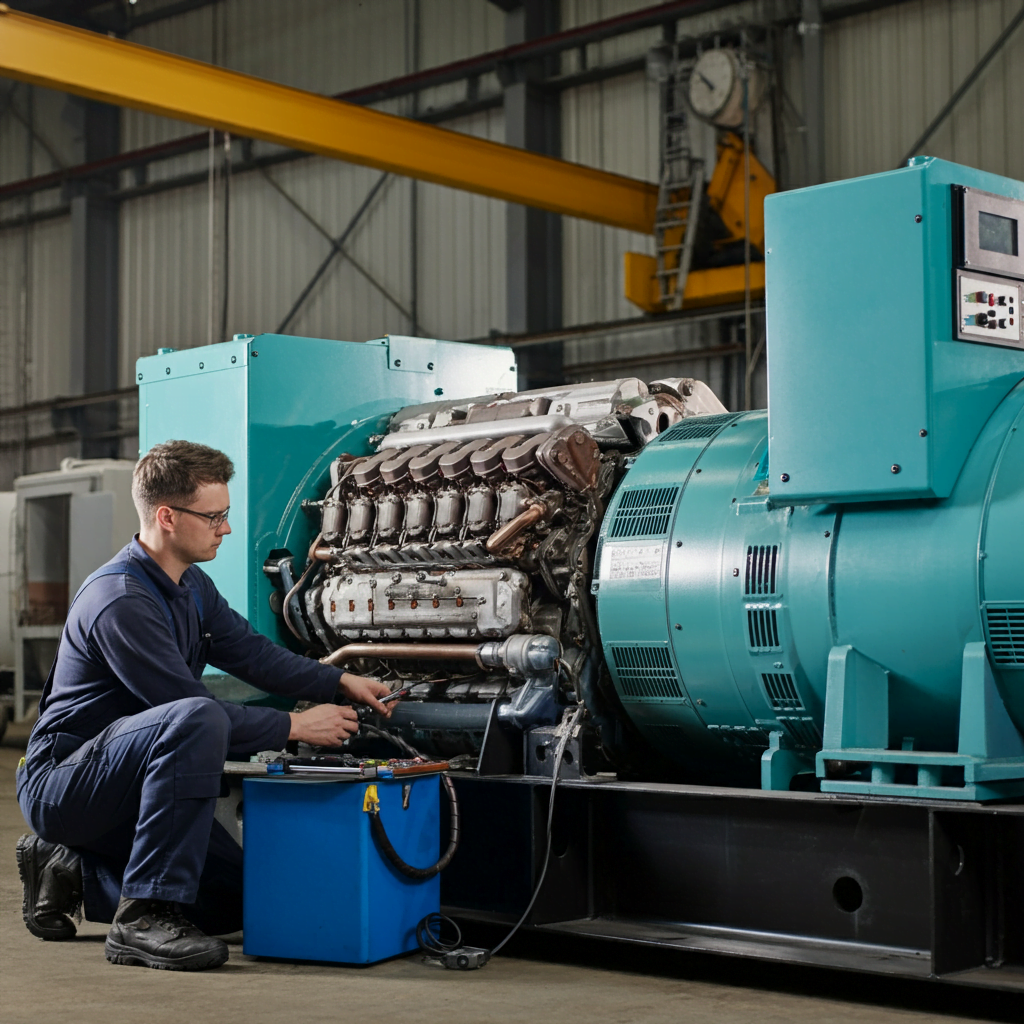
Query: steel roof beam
column 833, row 10
column 57, row 57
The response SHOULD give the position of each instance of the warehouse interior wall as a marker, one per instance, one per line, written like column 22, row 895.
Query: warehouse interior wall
column 229, row 251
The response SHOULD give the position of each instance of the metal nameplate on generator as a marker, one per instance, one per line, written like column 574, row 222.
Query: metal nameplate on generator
column 633, row 561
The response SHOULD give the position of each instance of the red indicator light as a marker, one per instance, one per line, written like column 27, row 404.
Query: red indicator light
column 992, row 299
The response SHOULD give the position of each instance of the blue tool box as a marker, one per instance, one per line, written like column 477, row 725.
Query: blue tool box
column 316, row 885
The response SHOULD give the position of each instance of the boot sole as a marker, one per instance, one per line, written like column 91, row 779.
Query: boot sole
column 28, row 899
column 129, row 956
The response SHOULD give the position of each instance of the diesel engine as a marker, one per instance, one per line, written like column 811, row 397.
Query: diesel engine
column 456, row 559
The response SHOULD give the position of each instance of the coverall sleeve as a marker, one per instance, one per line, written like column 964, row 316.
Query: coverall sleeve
column 236, row 648
column 132, row 636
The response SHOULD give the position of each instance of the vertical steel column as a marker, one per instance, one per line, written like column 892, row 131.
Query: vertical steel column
column 95, row 243
column 412, row 64
column 534, row 237
column 814, row 80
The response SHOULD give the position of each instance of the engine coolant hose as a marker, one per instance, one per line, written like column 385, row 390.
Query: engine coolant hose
column 420, row 874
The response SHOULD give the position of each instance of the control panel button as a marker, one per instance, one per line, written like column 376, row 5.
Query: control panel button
column 986, row 309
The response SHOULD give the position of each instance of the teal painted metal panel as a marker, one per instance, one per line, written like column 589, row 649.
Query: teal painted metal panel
column 861, row 352
column 202, row 395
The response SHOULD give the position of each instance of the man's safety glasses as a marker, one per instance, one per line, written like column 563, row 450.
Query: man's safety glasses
column 215, row 519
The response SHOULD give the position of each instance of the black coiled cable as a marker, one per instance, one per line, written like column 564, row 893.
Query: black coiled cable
column 428, row 935
column 381, row 837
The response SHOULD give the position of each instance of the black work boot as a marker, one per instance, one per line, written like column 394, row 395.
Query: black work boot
column 51, row 879
column 153, row 933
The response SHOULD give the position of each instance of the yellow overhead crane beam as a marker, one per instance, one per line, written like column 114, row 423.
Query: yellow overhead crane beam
column 101, row 68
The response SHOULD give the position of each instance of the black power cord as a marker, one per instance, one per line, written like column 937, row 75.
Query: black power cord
column 467, row 957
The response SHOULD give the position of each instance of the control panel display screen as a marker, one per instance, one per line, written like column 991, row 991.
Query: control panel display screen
column 997, row 234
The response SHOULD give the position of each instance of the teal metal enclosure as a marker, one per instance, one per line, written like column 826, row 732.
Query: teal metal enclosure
column 846, row 571
column 283, row 408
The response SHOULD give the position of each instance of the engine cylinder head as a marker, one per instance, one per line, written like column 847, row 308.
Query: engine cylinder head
column 481, row 509
column 390, row 513
column 448, row 511
column 419, row 513
column 333, row 523
column 512, row 498
column 360, row 519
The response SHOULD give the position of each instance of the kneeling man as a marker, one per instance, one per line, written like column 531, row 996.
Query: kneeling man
column 123, row 767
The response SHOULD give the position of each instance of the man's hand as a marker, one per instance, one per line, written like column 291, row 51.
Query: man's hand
column 326, row 725
column 361, row 690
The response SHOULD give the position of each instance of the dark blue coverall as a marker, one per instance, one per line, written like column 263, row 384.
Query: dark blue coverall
column 124, row 764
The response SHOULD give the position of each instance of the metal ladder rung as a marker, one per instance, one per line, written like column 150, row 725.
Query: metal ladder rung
column 683, row 175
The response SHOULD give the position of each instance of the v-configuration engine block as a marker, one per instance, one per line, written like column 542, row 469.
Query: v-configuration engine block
column 475, row 521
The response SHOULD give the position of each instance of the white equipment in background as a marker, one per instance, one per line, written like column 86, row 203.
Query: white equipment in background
column 68, row 523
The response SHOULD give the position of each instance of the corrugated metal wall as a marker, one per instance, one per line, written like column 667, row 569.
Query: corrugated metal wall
column 39, row 302
column 887, row 73
column 274, row 250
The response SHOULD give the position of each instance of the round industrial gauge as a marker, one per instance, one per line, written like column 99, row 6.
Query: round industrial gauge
column 716, row 88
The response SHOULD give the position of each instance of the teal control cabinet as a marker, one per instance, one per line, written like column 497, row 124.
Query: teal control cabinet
column 873, row 392
column 283, row 408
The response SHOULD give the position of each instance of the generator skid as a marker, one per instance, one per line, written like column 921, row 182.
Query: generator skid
column 456, row 559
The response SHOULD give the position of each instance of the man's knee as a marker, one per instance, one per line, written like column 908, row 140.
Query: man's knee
column 202, row 718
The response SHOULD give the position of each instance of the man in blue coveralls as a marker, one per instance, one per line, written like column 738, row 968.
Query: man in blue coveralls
column 124, row 765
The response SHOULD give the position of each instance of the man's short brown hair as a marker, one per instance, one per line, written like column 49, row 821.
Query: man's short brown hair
column 172, row 473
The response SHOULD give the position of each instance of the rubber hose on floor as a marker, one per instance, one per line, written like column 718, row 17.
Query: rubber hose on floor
column 381, row 838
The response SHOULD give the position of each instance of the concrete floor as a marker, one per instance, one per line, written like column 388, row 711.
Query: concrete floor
column 542, row 982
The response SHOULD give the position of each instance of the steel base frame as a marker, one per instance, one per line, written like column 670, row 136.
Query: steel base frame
column 922, row 889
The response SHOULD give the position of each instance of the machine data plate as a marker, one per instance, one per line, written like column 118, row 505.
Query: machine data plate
column 987, row 309
column 633, row 561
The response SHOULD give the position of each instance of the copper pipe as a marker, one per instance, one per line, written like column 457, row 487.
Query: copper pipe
column 322, row 553
column 504, row 535
column 405, row 652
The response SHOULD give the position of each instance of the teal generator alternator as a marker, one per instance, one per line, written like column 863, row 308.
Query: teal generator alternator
column 839, row 588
